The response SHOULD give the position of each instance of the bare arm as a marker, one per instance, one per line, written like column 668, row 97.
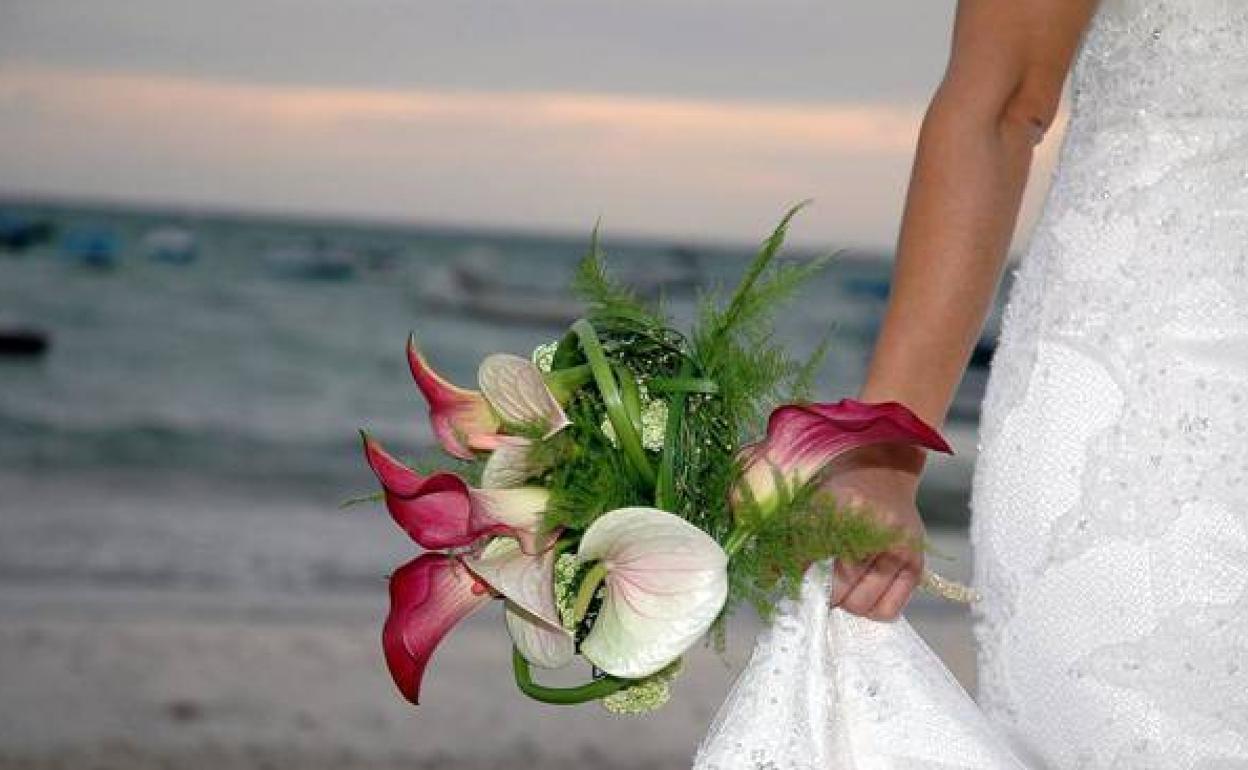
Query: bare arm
column 999, row 95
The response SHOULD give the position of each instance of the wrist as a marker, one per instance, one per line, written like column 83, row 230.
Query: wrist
column 902, row 463
column 927, row 405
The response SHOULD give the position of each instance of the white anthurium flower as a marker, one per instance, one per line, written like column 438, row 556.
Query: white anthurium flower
column 666, row 582
column 516, row 389
column 527, row 584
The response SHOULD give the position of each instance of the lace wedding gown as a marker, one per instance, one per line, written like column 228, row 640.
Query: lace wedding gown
column 1110, row 506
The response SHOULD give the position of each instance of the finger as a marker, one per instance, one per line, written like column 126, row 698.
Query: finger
column 872, row 586
column 846, row 575
column 896, row 596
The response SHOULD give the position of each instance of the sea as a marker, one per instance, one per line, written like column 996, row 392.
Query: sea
column 181, row 392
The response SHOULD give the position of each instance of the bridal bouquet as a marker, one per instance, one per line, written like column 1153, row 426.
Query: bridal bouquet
column 614, row 492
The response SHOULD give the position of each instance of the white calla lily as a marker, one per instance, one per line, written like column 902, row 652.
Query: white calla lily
column 527, row 583
column 516, row 389
column 666, row 582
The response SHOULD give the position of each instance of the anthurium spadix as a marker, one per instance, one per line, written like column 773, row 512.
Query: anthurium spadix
column 665, row 583
column 802, row 439
column 442, row 511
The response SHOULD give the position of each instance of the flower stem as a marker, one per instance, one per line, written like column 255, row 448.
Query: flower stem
column 564, row 382
column 682, row 384
column 585, row 593
column 562, row 696
column 739, row 536
column 604, row 378
column 630, row 394
column 665, row 487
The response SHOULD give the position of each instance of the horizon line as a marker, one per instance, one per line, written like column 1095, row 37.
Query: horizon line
column 272, row 214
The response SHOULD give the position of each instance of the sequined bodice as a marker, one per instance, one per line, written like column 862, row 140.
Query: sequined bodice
column 1111, row 494
column 1149, row 60
column 1150, row 202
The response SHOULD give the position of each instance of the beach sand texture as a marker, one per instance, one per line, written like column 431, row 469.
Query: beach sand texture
column 182, row 679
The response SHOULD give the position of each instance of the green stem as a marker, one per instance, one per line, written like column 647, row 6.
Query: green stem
column 739, row 536
column 625, row 433
column 585, row 593
column 665, row 488
column 630, row 394
column 564, row 382
column 562, row 696
column 682, row 385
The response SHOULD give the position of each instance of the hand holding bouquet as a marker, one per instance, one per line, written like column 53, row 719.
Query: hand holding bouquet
column 606, row 492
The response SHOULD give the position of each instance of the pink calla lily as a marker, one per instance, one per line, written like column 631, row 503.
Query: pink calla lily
column 441, row 511
column 457, row 414
column 513, row 392
column 802, row 439
column 432, row 593
column 428, row 596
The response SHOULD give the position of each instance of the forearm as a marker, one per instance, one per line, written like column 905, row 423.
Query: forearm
column 969, row 173
column 999, row 94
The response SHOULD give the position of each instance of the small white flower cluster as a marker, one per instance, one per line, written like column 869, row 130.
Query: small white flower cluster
column 565, row 593
column 650, row 694
column 653, row 422
column 544, row 355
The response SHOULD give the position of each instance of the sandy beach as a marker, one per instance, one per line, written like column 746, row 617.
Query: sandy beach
column 105, row 678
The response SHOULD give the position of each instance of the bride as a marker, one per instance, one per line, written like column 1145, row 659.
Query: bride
column 1110, row 503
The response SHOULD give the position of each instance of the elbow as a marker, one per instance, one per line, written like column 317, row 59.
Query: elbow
column 1031, row 108
column 1023, row 107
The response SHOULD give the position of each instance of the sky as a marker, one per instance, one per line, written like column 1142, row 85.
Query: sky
column 699, row 119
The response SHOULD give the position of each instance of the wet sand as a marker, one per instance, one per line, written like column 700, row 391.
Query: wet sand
column 114, row 678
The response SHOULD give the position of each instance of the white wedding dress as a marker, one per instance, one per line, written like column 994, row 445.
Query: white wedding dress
column 1110, row 507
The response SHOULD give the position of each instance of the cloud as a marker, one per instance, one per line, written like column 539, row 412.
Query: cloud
column 878, row 51
column 656, row 165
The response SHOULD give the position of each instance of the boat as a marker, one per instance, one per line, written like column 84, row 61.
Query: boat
column 18, row 233
column 23, row 342
column 453, row 290
column 171, row 244
column 92, row 247
column 318, row 262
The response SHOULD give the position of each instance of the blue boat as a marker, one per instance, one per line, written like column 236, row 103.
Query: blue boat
column 92, row 247
column 18, row 233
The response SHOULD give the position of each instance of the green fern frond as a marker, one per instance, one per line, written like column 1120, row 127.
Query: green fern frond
column 812, row 527
column 607, row 298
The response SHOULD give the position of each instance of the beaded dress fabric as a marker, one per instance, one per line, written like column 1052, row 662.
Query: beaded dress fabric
column 1110, row 503
column 827, row 690
column 1110, row 508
